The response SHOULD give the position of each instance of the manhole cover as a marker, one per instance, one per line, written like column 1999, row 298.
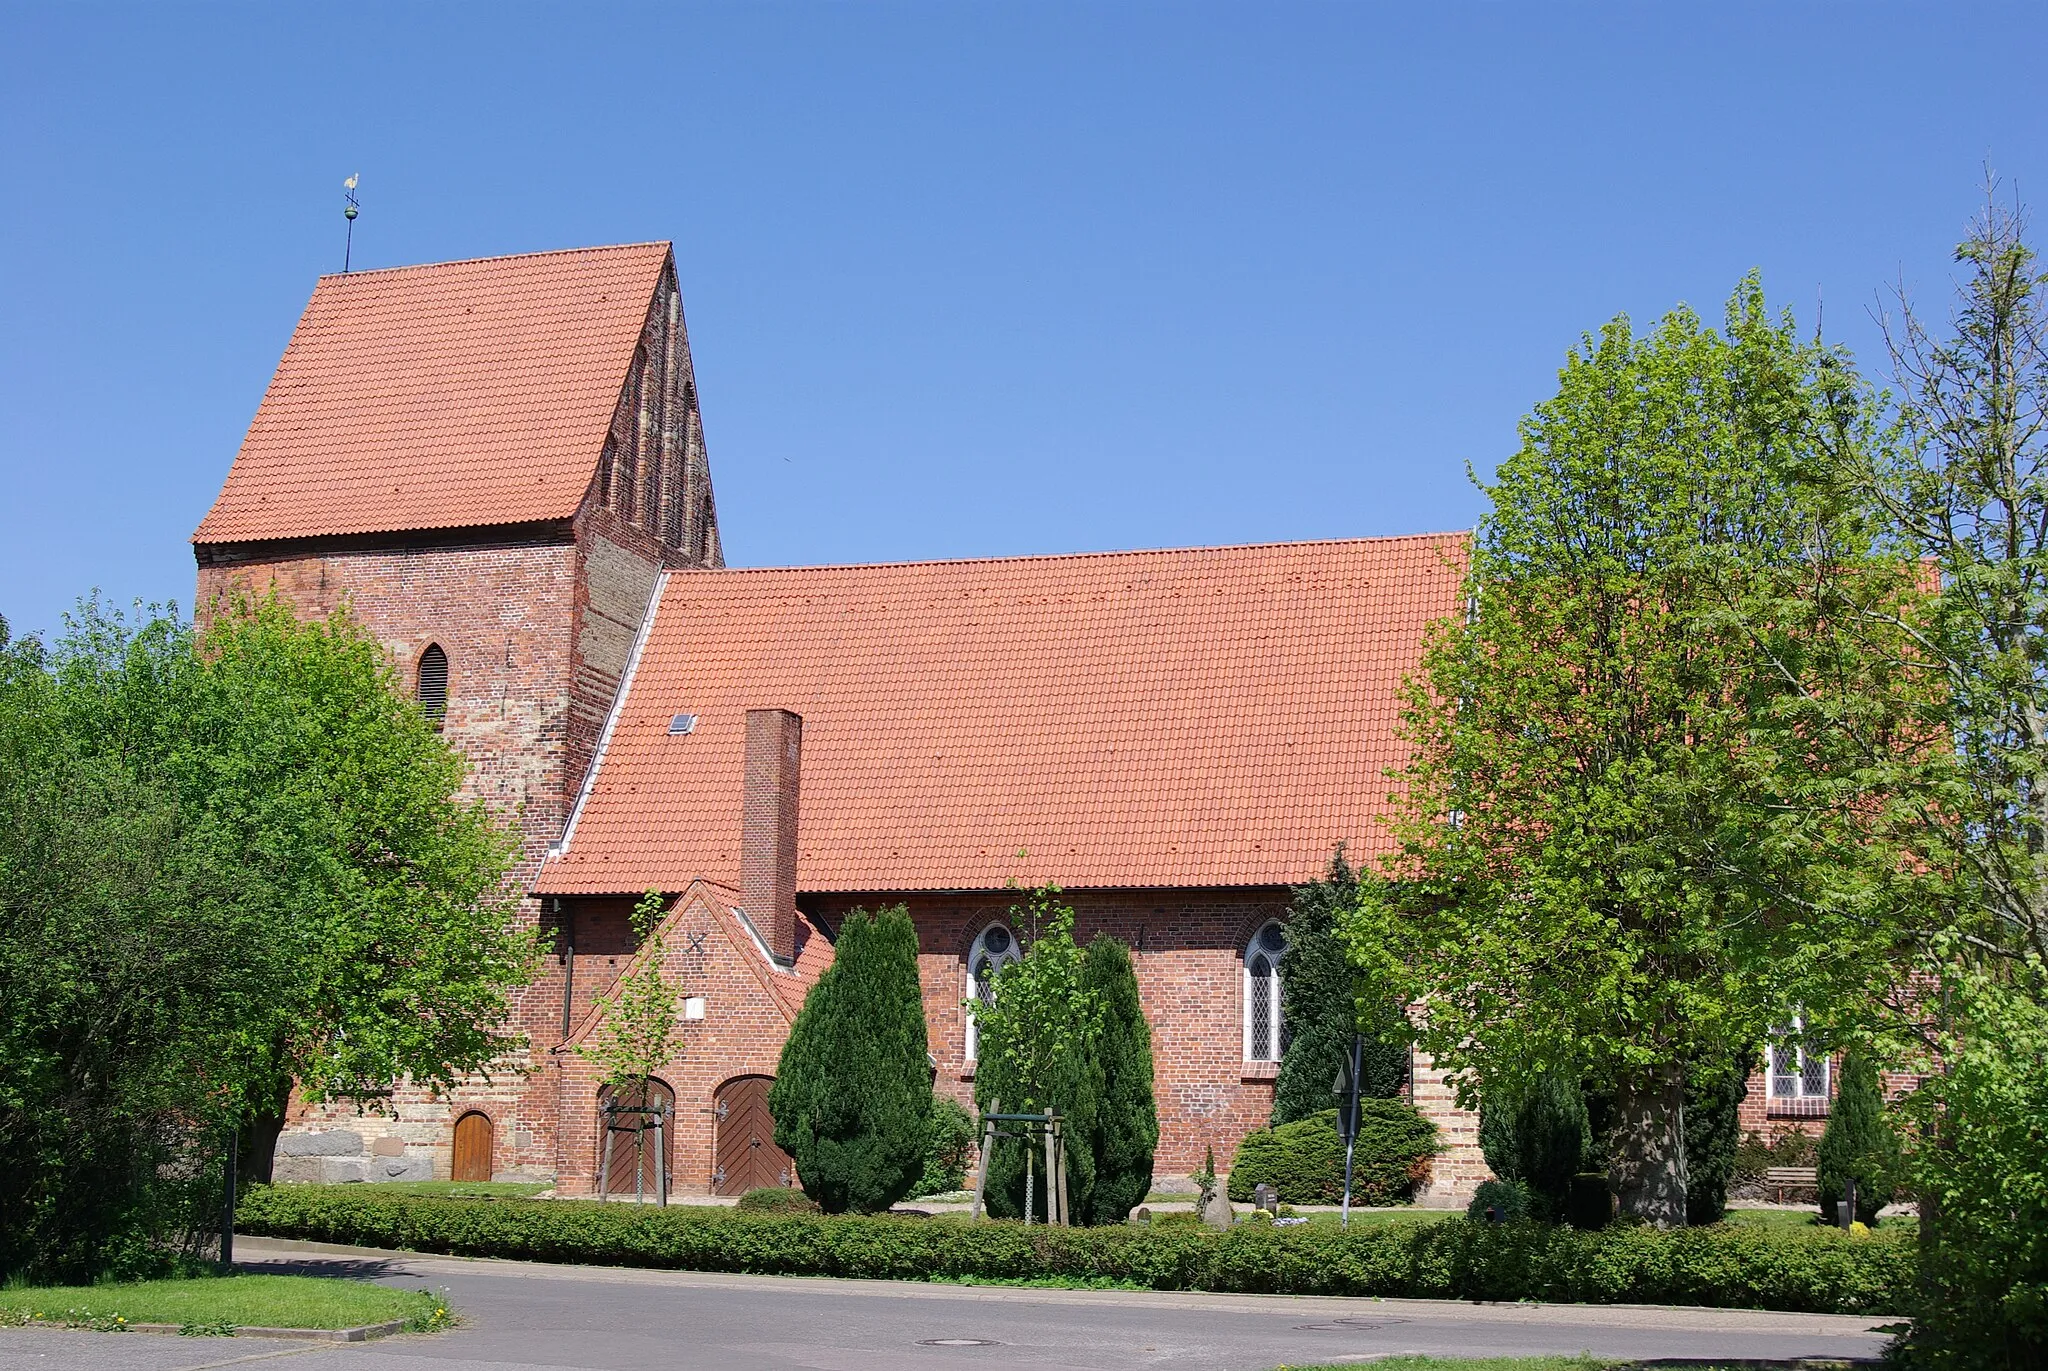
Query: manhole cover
column 958, row 1342
column 1348, row 1325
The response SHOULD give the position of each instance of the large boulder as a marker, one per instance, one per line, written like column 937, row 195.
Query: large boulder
column 338, row 1142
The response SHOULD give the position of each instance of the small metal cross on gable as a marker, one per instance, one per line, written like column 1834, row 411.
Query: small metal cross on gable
column 696, row 943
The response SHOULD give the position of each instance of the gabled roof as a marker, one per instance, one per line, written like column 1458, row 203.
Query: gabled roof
column 457, row 395
column 1200, row 717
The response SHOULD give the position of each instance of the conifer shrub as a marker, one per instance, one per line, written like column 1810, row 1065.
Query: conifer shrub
column 1500, row 1201
column 1304, row 1161
column 1125, row 1127
column 1858, row 1143
column 852, row 1098
column 1318, row 1001
column 952, row 1143
column 1541, row 1139
column 1714, row 1093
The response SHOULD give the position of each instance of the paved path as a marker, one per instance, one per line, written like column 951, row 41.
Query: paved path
column 529, row 1315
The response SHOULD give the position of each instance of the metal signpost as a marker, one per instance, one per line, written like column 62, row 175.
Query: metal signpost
column 1346, row 1090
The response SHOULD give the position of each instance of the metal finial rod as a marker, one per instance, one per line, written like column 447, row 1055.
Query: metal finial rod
column 348, row 212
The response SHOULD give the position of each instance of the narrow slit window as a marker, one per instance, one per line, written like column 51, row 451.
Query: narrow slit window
column 433, row 684
column 1265, row 1024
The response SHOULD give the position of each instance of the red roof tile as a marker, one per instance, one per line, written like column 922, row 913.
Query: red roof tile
column 1201, row 717
column 446, row 396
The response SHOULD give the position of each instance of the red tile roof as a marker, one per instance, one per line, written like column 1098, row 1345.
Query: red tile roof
column 1200, row 717
column 447, row 396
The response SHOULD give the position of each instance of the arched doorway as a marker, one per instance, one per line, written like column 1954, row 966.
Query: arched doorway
column 635, row 1151
column 472, row 1161
column 745, row 1155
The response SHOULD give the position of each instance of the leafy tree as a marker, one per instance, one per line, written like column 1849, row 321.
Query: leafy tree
column 226, row 865
column 1035, row 1033
column 1125, row 1127
column 852, row 1098
column 1961, row 822
column 1593, row 874
column 1319, row 1001
column 639, row 1024
column 387, row 892
column 1858, row 1144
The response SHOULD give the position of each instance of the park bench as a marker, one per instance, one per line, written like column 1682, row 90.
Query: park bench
column 1779, row 1179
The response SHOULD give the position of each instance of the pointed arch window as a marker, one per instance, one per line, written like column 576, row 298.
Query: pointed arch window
column 1265, row 1026
column 993, row 950
column 1800, row 1079
column 433, row 684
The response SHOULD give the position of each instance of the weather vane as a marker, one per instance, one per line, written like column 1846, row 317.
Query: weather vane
column 349, row 213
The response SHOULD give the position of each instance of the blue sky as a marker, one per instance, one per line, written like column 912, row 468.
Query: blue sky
column 969, row 279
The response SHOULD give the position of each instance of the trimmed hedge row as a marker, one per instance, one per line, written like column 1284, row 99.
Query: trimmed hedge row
column 1738, row 1268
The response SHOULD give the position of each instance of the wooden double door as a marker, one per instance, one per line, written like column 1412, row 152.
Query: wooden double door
column 637, row 1127
column 745, row 1156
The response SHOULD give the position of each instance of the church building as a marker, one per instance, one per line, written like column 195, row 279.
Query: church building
column 500, row 467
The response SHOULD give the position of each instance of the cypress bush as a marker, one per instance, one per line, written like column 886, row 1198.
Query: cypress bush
column 1858, row 1143
column 1304, row 1160
column 1542, row 1140
column 1714, row 1093
column 1319, row 1003
column 1815, row 1269
column 1125, row 1127
column 852, row 1098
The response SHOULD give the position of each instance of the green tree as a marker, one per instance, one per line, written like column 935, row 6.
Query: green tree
column 386, row 892
column 1960, row 822
column 639, row 1023
column 1125, row 1127
column 1592, row 872
column 224, row 866
column 852, row 1098
column 1035, row 1034
column 1320, row 1004
column 1858, row 1144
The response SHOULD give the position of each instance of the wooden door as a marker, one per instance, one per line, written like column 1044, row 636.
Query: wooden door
column 635, row 1146
column 472, row 1148
column 746, row 1155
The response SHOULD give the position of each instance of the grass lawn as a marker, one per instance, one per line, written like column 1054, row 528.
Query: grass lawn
column 1805, row 1218
column 1418, row 1363
column 219, row 1304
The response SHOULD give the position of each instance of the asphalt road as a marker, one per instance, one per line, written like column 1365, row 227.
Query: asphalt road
column 528, row 1315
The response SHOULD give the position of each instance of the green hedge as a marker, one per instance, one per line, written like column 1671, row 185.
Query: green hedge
column 1813, row 1270
column 1304, row 1160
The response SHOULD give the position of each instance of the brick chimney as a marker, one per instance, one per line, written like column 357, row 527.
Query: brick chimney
column 775, row 743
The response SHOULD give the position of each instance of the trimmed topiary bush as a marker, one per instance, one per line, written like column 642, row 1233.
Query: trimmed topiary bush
column 852, row 1098
column 1501, row 1202
column 1304, row 1160
column 946, row 1154
column 1858, row 1142
column 1590, row 1202
column 1126, row 1121
column 777, row 1199
column 1731, row 1266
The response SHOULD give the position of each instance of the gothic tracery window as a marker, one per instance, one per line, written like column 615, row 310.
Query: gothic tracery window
column 1265, row 1027
column 993, row 950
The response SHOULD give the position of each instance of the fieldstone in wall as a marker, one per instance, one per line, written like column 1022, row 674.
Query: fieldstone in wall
column 404, row 1169
column 339, row 1142
column 319, row 1170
